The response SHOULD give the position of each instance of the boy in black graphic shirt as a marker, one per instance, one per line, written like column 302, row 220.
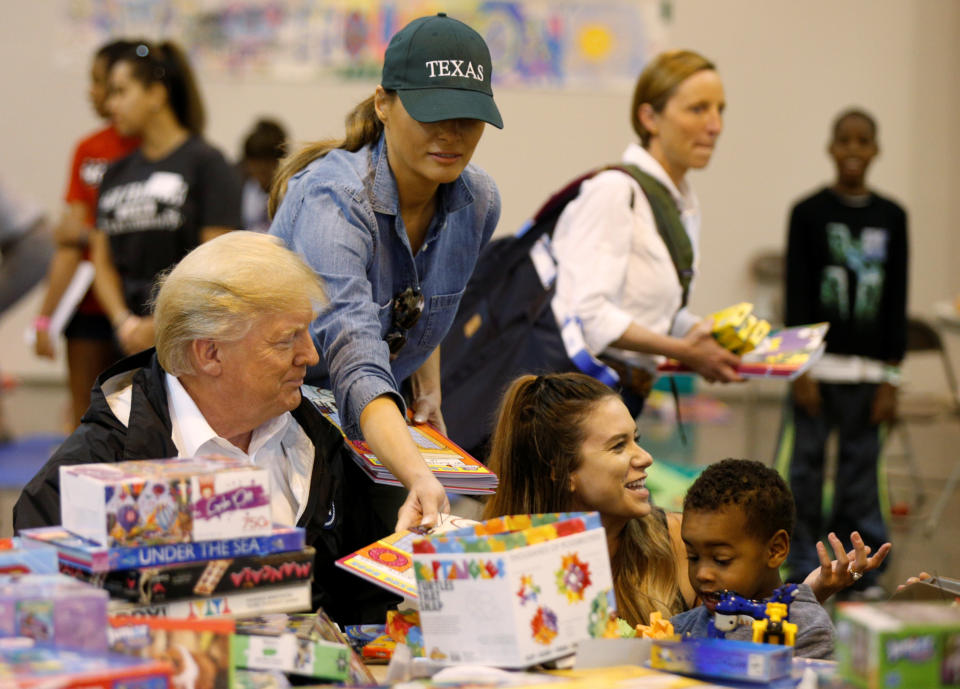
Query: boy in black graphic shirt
column 846, row 264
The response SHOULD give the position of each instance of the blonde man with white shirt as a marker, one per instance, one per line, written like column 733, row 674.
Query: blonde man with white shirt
column 614, row 271
column 232, row 349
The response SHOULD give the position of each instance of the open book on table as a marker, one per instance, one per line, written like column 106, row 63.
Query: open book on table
column 389, row 561
column 784, row 353
column 456, row 470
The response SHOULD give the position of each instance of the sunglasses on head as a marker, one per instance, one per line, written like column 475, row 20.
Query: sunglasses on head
column 407, row 307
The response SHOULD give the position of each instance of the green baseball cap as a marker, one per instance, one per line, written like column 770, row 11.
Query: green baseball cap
column 441, row 68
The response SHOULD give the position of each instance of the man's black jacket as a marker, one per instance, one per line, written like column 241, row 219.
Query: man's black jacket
column 337, row 518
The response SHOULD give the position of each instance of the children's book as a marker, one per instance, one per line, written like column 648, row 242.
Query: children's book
column 80, row 553
column 784, row 353
column 451, row 464
column 389, row 561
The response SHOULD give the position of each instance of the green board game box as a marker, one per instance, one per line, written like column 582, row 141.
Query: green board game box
column 899, row 645
column 289, row 643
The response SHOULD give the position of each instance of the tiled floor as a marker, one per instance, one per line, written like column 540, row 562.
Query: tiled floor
column 749, row 430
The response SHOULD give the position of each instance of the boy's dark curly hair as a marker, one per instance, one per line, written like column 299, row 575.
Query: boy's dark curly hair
column 752, row 486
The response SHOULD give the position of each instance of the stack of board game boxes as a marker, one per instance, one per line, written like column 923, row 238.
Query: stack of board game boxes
column 53, row 628
column 180, row 547
column 181, row 538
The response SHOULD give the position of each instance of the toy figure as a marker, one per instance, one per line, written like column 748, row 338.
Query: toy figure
column 775, row 629
column 733, row 610
column 658, row 628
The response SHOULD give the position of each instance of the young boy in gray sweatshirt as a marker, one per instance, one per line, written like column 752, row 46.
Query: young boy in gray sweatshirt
column 737, row 520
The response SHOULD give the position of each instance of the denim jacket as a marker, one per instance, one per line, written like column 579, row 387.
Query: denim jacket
column 341, row 213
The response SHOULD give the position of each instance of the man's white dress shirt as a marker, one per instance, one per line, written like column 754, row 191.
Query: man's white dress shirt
column 279, row 445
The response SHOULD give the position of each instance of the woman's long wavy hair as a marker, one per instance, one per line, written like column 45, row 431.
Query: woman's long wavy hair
column 536, row 446
column 363, row 127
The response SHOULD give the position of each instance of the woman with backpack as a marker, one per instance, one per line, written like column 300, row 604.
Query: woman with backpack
column 393, row 218
column 615, row 272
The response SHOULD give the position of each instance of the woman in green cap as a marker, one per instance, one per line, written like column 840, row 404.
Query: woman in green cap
column 393, row 218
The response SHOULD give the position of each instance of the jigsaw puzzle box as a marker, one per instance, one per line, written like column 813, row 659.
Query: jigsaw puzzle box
column 514, row 591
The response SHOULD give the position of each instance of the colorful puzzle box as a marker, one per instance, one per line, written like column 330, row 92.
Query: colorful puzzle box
column 54, row 610
column 25, row 556
column 165, row 501
column 514, row 591
column 722, row 659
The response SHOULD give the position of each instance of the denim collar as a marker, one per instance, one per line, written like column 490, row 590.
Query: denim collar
column 386, row 200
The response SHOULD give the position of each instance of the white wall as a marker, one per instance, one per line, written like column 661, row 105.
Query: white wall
column 788, row 67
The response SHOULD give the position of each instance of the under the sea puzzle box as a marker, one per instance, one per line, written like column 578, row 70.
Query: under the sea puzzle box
column 514, row 591
column 165, row 501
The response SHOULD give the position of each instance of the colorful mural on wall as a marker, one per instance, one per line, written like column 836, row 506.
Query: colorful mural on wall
column 540, row 43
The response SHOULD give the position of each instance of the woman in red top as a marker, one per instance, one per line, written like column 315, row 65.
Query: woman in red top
column 90, row 344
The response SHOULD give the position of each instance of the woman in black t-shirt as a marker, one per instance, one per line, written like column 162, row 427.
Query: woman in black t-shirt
column 173, row 193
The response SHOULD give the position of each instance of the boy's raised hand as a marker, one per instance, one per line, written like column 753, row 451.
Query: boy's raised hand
column 835, row 575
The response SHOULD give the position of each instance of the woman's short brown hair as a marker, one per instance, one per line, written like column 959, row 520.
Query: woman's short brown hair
column 658, row 81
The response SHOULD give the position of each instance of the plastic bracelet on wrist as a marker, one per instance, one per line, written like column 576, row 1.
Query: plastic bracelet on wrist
column 41, row 324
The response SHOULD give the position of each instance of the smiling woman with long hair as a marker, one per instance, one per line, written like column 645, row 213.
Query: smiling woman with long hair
column 566, row 442
column 393, row 218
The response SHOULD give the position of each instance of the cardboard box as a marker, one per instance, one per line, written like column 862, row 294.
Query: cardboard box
column 165, row 501
column 147, row 585
column 198, row 650
column 274, row 599
column 25, row 556
column 899, row 645
column 741, row 661
column 77, row 553
column 289, row 643
column 54, row 610
column 43, row 668
column 515, row 591
column 939, row 588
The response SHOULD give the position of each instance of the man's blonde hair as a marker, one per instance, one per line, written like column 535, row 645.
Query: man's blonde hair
column 221, row 287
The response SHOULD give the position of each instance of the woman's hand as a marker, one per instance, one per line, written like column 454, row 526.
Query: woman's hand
column 135, row 333
column 424, row 504
column 923, row 576
column 426, row 409
column 835, row 575
column 425, row 389
column 43, row 345
column 704, row 355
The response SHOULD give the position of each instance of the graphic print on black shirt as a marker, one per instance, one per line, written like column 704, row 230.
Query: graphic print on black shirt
column 154, row 204
column 865, row 257
column 91, row 171
column 153, row 211
column 847, row 264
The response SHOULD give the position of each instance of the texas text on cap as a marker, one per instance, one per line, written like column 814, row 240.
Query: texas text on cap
column 441, row 69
